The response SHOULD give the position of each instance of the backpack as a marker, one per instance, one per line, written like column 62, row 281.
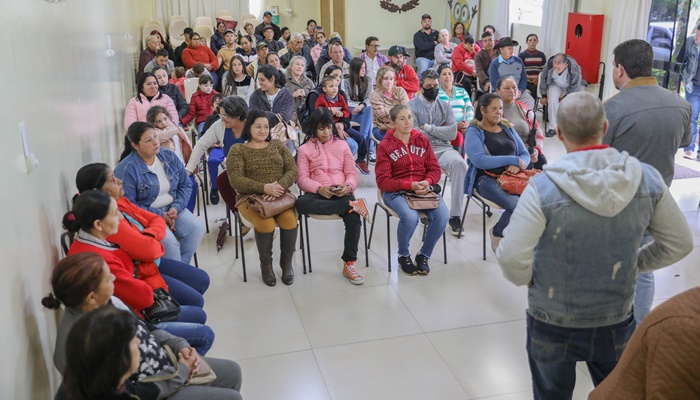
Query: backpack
column 304, row 111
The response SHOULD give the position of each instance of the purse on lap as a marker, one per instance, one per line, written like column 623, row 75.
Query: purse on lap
column 429, row 201
column 268, row 208
column 283, row 131
column 164, row 308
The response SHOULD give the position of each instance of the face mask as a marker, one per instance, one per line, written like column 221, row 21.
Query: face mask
column 430, row 94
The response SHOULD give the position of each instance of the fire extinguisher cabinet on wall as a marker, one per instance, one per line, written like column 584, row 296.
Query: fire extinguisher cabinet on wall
column 584, row 39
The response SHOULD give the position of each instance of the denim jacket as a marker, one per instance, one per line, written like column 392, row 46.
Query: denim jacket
column 576, row 234
column 690, row 63
column 141, row 185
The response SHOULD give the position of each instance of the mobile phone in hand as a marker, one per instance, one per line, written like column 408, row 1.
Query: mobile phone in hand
column 336, row 189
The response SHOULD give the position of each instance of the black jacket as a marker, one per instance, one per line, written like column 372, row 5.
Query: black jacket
column 174, row 93
column 425, row 44
column 275, row 28
column 177, row 60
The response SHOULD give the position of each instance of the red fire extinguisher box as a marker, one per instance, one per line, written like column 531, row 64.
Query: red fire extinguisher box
column 584, row 40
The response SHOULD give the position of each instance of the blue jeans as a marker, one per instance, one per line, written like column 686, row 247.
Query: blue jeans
column 199, row 336
column 361, row 141
column 554, row 350
column 181, row 244
column 216, row 157
column 694, row 100
column 352, row 144
column 193, row 197
column 186, row 283
column 365, row 120
column 488, row 189
column 408, row 220
column 379, row 135
column 422, row 64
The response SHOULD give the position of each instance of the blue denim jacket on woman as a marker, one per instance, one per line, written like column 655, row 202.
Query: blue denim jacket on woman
column 576, row 235
column 141, row 185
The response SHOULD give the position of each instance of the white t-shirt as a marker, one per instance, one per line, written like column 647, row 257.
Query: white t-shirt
column 164, row 198
column 271, row 97
column 372, row 67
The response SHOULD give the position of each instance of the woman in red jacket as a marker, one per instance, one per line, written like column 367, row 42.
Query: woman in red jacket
column 201, row 104
column 94, row 217
column 140, row 234
column 406, row 162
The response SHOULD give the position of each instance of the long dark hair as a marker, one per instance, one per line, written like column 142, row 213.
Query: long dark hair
column 319, row 119
column 249, row 120
column 142, row 81
column 358, row 84
column 133, row 135
column 88, row 207
column 484, row 101
column 163, row 42
column 230, row 86
column 91, row 176
column 73, row 279
column 269, row 72
column 98, row 353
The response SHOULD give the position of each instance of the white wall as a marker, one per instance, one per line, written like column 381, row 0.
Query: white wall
column 303, row 10
column 59, row 80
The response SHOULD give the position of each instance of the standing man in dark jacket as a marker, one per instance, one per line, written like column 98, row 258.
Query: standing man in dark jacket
column 267, row 21
column 424, row 42
column 650, row 123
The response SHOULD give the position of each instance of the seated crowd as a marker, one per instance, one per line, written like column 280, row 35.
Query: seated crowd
column 134, row 233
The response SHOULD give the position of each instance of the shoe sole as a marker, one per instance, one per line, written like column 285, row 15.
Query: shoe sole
column 423, row 273
column 406, row 273
column 352, row 281
column 361, row 171
column 457, row 234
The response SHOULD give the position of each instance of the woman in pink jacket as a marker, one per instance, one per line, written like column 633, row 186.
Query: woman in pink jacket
column 149, row 96
column 327, row 175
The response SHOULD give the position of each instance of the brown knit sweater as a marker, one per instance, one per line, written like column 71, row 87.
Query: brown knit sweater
column 250, row 169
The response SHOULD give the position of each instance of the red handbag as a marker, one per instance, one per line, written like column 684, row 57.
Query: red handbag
column 515, row 183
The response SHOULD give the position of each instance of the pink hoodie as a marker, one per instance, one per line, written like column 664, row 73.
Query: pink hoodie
column 136, row 111
column 326, row 164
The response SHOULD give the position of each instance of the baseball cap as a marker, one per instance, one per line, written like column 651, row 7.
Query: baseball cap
column 425, row 16
column 187, row 31
column 229, row 31
column 266, row 13
column 260, row 45
column 268, row 28
column 396, row 50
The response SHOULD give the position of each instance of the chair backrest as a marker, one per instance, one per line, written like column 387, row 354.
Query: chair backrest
column 66, row 242
column 382, row 204
column 147, row 29
column 248, row 16
column 203, row 21
column 176, row 17
column 161, row 25
column 176, row 28
column 222, row 13
column 205, row 32
column 191, row 85
column 226, row 18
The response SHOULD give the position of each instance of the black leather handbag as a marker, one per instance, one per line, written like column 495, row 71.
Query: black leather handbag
column 164, row 308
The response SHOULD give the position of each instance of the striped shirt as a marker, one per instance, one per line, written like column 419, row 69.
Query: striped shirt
column 534, row 61
column 460, row 103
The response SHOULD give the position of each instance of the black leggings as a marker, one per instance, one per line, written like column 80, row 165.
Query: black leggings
column 314, row 203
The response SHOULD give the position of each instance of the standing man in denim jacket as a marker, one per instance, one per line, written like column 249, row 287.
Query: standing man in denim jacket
column 691, row 81
column 574, row 239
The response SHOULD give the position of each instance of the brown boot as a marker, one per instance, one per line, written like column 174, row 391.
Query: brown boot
column 264, row 243
column 288, row 241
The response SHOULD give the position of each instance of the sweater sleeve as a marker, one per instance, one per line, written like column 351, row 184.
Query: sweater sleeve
column 672, row 237
column 432, row 167
column 135, row 293
column 459, row 60
column 449, row 130
column 523, row 76
column 544, row 85
column 474, row 146
column 235, row 166
column 494, row 75
column 516, row 251
column 290, row 167
column 139, row 246
column 191, row 111
column 482, row 67
column 383, row 171
column 130, row 114
column 440, row 56
column 206, row 141
column 187, row 58
column 304, row 180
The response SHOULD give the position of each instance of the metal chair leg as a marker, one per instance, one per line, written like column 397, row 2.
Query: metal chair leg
column 301, row 240
column 308, row 245
column 240, row 238
column 228, row 219
column 483, row 228
column 388, row 243
column 196, row 262
column 371, row 231
column 206, row 217
column 444, row 246
column 364, row 231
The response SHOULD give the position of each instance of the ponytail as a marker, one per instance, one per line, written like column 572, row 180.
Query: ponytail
column 73, row 279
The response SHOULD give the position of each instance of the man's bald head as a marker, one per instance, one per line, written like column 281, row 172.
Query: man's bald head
column 581, row 119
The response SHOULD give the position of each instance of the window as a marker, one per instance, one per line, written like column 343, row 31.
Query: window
column 528, row 12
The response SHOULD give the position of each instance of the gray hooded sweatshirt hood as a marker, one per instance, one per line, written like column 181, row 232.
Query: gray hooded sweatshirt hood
column 605, row 186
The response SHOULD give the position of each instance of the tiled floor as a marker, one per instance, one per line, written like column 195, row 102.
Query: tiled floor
column 456, row 334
